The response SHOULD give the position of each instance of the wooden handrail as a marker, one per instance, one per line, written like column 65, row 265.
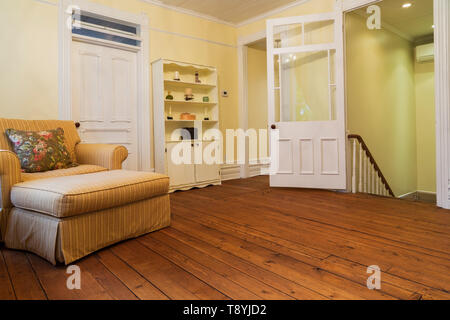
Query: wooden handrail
column 372, row 160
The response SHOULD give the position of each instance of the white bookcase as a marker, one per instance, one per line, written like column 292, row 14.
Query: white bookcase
column 169, row 133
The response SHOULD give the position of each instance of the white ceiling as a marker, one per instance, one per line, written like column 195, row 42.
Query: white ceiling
column 415, row 22
column 231, row 11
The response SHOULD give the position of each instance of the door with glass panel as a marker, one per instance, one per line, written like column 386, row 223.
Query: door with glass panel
column 306, row 101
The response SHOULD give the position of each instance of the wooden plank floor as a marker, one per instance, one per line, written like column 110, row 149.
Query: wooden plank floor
column 244, row 240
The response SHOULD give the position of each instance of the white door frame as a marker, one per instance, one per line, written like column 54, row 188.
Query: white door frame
column 442, row 100
column 243, row 43
column 64, row 46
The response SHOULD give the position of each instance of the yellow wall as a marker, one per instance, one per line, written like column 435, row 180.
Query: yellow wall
column 29, row 60
column 381, row 100
column 257, row 88
column 425, row 127
column 29, row 55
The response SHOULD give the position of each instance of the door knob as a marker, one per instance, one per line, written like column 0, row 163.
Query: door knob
column 77, row 124
column 273, row 127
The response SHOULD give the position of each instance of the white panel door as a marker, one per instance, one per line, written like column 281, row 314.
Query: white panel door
column 104, row 96
column 205, row 171
column 306, row 101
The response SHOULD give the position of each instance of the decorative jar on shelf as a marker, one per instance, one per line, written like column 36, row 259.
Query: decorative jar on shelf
column 197, row 78
column 169, row 96
column 187, row 116
column 188, row 94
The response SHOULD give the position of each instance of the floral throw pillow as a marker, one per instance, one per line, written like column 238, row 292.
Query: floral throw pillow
column 40, row 151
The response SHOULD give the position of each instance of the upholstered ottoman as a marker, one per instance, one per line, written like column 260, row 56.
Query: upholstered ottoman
column 65, row 218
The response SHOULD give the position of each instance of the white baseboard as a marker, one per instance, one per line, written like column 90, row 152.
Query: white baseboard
column 233, row 171
column 230, row 172
column 260, row 168
column 419, row 195
column 426, row 196
column 408, row 195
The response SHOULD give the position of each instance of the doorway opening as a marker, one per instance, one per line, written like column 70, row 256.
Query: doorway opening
column 257, row 101
column 252, row 57
column 390, row 98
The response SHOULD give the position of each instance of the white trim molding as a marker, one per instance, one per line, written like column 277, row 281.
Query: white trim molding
column 188, row 12
column 47, row 2
column 271, row 13
column 230, row 172
column 64, row 66
column 422, row 196
column 243, row 42
column 217, row 20
column 260, row 168
column 246, row 40
column 243, row 103
column 442, row 97
column 233, row 171
column 349, row 5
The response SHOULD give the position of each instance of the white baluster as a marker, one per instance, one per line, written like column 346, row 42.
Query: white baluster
column 365, row 173
column 378, row 184
column 365, row 177
column 354, row 167
column 368, row 174
column 360, row 187
column 373, row 180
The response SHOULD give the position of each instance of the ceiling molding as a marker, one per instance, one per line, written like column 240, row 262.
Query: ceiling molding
column 189, row 12
column 386, row 26
column 424, row 39
column 47, row 2
column 217, row 20
column 248, row 39
column 396, row 31
column 351, row 5
column 271, row 13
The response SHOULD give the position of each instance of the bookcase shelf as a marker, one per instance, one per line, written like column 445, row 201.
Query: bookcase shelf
column 205, row 121
column 168, row 132
column 184, row 84
column 188, row 103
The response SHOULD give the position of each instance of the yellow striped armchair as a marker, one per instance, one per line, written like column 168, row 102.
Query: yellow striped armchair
column 90, row 157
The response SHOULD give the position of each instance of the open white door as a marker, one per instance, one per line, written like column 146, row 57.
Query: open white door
column 306, row 101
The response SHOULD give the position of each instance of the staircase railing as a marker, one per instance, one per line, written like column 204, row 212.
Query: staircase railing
column 366, row 174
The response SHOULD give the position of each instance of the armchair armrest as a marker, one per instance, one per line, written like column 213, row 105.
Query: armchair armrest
column 10, row 174
column 109, row 156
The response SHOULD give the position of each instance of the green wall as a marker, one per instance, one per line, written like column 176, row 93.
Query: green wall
column 381, row 100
